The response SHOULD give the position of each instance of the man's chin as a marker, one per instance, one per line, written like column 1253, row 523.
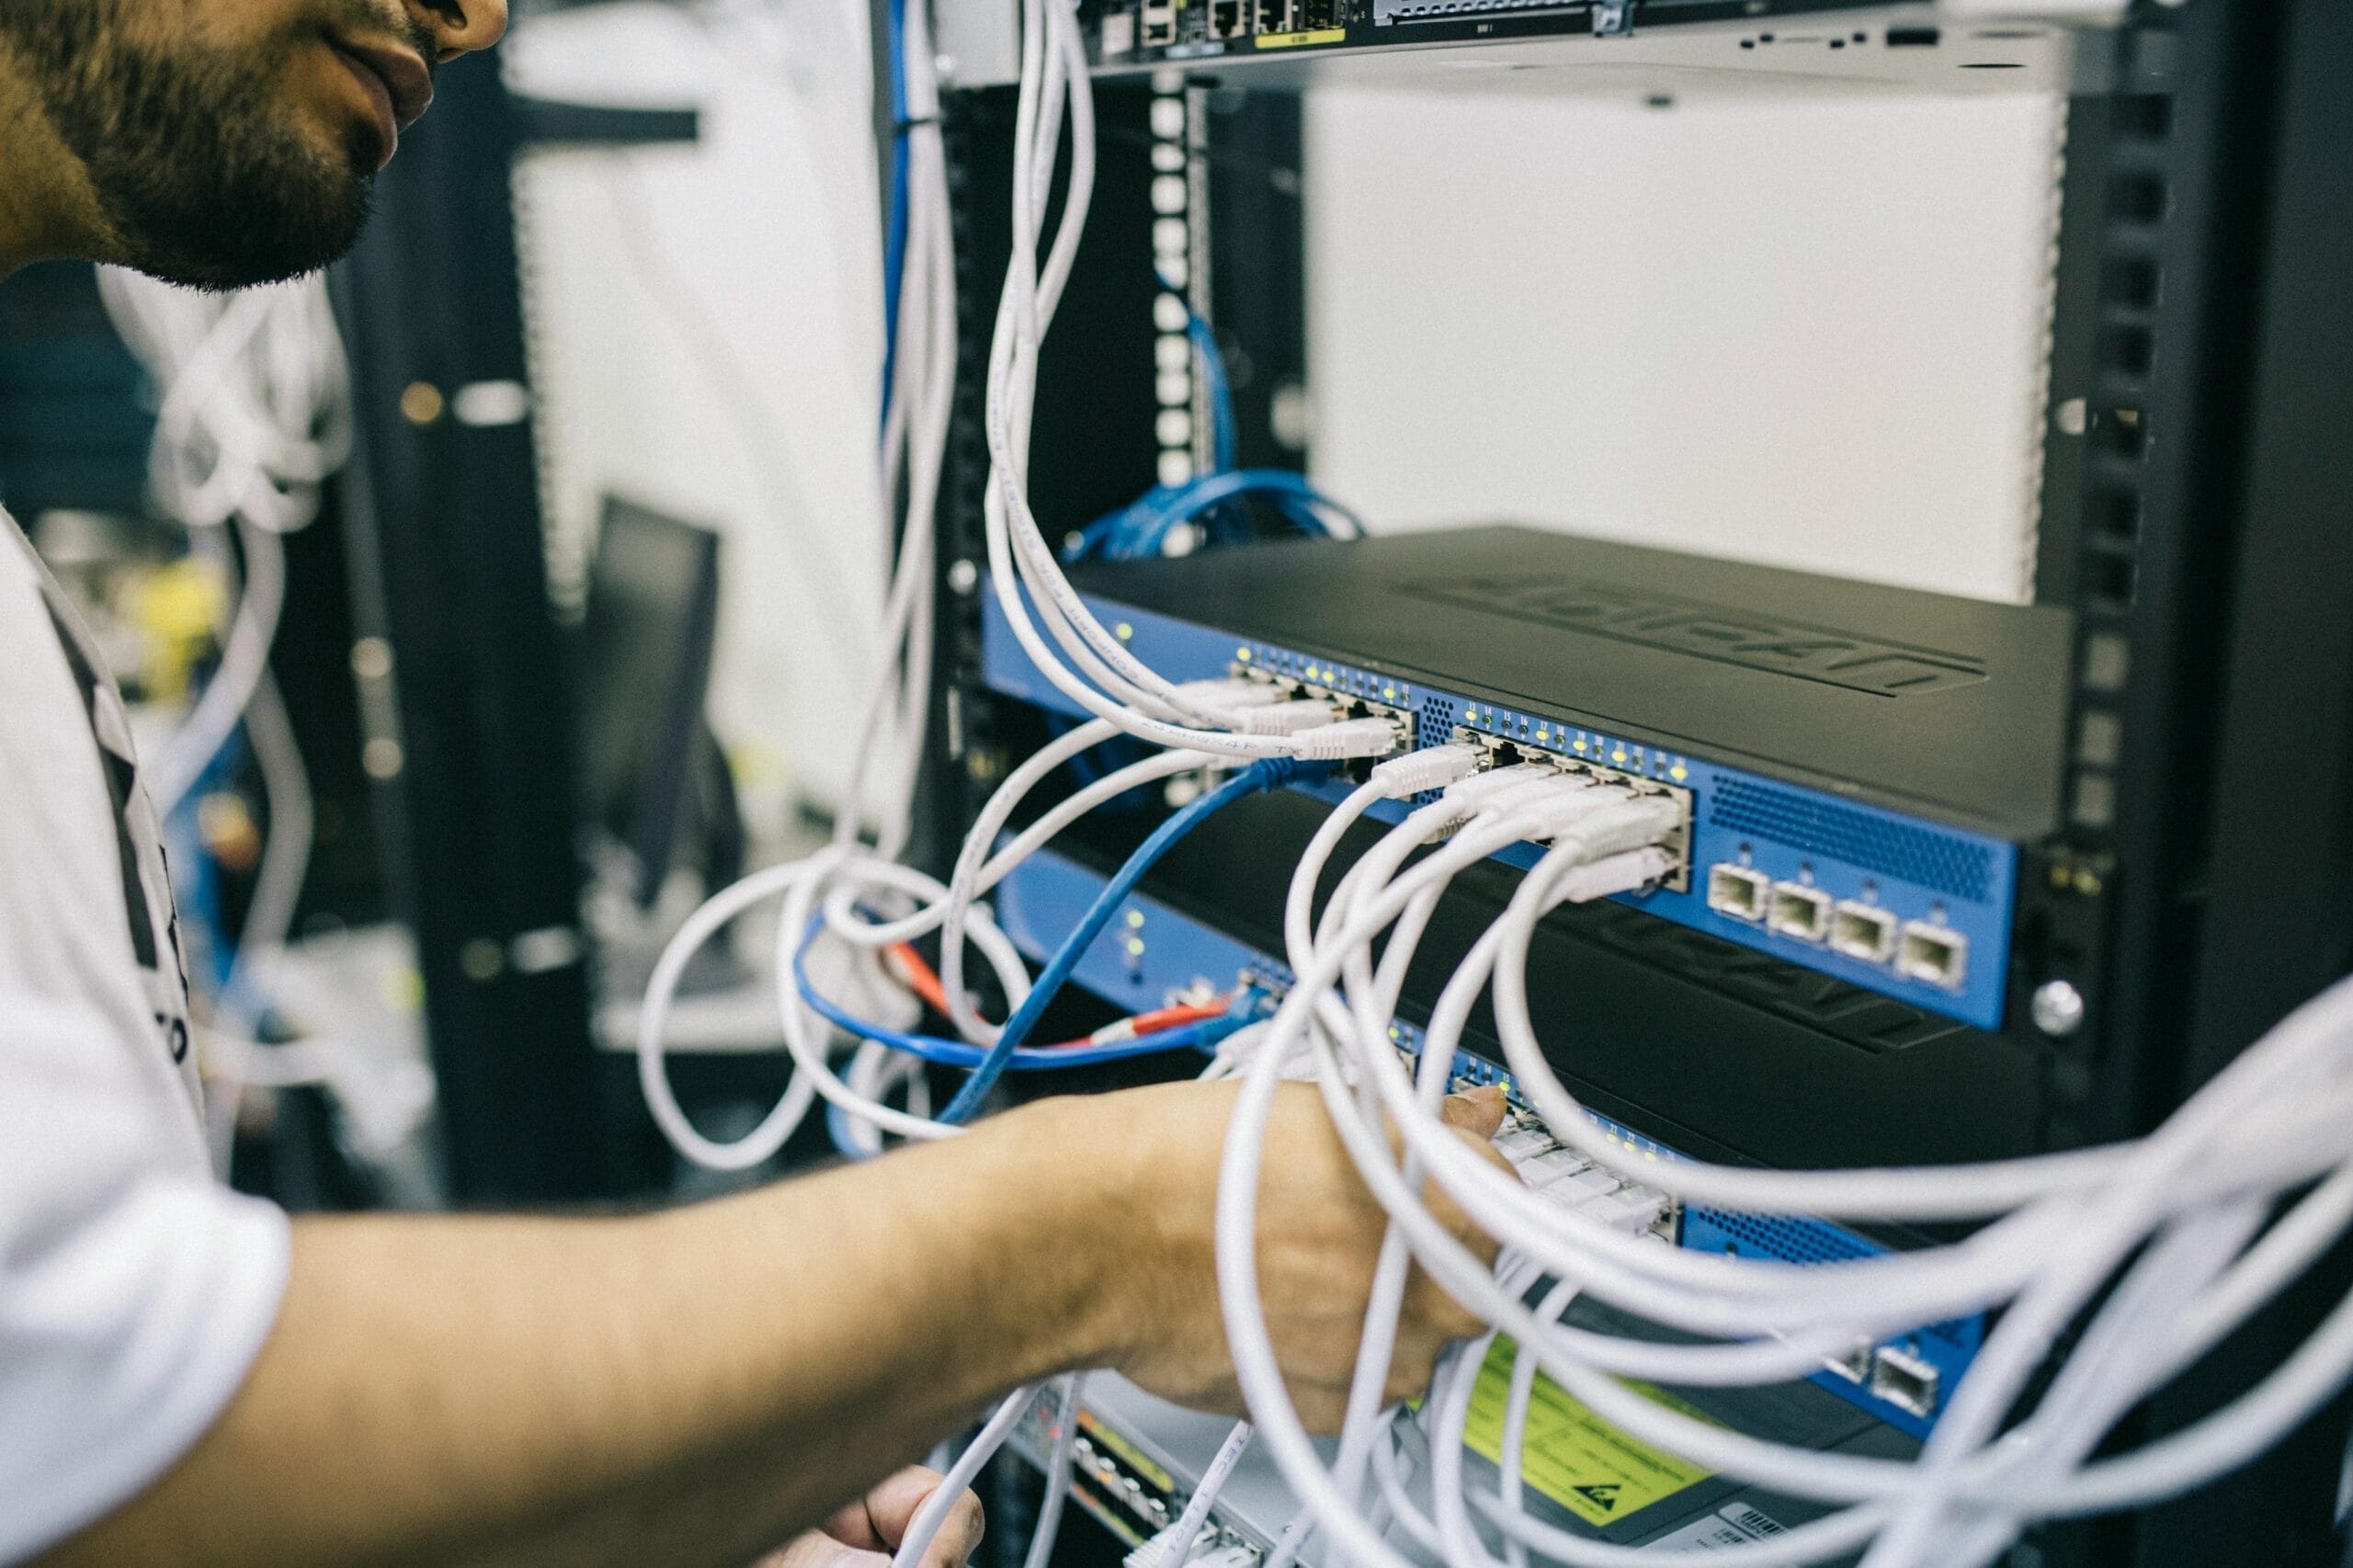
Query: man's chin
column 276, row 241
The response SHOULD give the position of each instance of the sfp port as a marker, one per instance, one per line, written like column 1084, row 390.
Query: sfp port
column 1798, row 911
column 1862, row 931
column 1738, row 891
column 1936, row 954
column 1905, row 1381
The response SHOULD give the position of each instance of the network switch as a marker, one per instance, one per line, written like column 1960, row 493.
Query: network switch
column 1280, row 42
column 1859, row 763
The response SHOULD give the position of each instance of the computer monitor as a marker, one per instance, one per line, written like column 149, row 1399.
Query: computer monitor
column 652, row 773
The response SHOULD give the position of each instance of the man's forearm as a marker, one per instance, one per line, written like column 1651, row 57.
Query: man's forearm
column 683, row 1388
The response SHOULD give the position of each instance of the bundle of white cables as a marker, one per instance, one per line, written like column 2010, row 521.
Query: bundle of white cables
column 2176, row 1224
column 253, row 417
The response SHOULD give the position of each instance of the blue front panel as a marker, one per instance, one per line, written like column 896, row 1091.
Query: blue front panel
column 1914, row 870
column 1153, row 955
column 1148, row 957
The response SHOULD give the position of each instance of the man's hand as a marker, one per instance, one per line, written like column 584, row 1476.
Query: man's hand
column 866, row 1533
column 1319, row 1237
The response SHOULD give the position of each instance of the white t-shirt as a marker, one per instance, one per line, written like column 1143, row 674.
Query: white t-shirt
column 135, row 1290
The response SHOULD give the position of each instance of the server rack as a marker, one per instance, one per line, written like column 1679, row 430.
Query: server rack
column 2197, row 507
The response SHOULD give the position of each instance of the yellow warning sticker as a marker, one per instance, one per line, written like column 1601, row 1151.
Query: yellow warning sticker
column 1300, row 40
column 1571, row 1454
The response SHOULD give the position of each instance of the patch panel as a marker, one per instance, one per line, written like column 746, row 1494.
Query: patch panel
column 1902, row 1382
column 1884, row 46
column 1129, row 1490
column 1126, row 1490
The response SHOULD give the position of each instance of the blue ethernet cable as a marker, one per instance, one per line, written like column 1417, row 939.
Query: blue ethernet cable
column 1223, row 427
column 1225, row 430
column 1270, row 773
column 1139, row 530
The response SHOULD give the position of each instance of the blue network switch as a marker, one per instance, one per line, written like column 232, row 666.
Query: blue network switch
column 1911, row 908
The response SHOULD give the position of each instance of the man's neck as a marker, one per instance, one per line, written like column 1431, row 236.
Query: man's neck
column 47, row 206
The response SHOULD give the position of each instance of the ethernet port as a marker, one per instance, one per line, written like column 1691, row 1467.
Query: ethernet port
column 1159, row 25
column 1799, row 911
column 1905, row 1381
column 1278, row 16
column 1225, row 18
column 1738, row 891
column 1936, row 954
column 1862, row 931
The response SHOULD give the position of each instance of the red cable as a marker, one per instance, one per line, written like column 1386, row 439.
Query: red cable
column 924, row 981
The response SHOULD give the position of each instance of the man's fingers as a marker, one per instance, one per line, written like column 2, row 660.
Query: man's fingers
column 1479, row 1112
column 890, row 1508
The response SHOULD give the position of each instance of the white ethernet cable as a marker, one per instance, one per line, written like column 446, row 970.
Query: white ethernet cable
column 1173, row 1547
column 1975, row 1485
column 1064, row 1438
column 982, row 1447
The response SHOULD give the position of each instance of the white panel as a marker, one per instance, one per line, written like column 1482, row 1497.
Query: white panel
column 706, row 339
column 1807, row 334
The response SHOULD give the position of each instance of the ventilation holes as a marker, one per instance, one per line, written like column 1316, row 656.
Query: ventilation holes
column 1949, row 865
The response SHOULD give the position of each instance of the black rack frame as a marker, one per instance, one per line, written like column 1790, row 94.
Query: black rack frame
column 2197, row 515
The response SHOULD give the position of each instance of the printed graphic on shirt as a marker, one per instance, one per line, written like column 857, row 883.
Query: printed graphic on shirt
column 146, row 879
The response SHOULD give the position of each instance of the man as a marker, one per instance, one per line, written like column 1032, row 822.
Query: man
column 187, row 1377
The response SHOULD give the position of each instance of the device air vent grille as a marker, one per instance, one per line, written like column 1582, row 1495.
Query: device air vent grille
column 1806, row 1241
column 1786, row 1241
column 1438, row 720
column 1917, row 854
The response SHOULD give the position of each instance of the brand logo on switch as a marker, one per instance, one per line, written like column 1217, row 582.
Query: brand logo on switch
column 1713, row 631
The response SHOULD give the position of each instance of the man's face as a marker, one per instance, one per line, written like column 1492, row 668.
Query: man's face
column 233, row 142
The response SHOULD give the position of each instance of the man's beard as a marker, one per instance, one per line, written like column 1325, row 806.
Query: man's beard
column 199, row 168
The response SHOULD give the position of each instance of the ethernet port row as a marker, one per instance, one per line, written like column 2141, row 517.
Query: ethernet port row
column 1799, row 911
column 1936, row 954
column 1925, row 950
